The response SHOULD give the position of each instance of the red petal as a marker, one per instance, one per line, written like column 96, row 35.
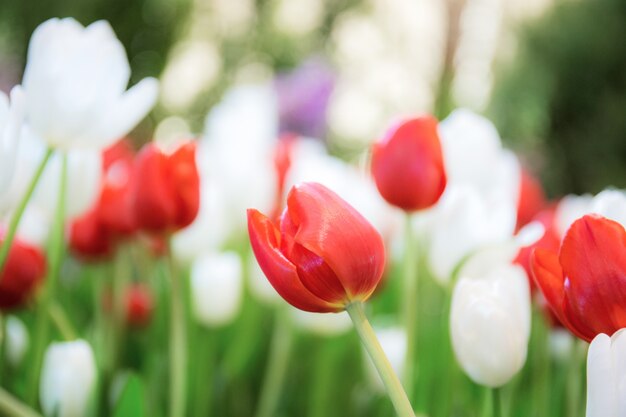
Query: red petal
column 186, row 182
column 407, row 164
column 333, row 230
column 549, row 278
column 593, row 256
column 22, row 273
column 153, row 198
column 281, row 273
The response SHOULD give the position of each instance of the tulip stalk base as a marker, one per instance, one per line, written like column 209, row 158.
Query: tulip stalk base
column 178, row 343
column 392, row 384
column 410, row 305
column 42, row 329
column 19, row 211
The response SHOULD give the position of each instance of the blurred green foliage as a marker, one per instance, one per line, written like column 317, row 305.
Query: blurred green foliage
column 564, row 96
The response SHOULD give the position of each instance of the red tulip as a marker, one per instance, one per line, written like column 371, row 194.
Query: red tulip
column 22, row 273
column 531, row 200
column 89, row 238
column 139, row 306
column 585, row 283
column 323, row 255
column 282, row 165
column 114, row 206
column 407, row 164
column 551, row 240
column 165, row 193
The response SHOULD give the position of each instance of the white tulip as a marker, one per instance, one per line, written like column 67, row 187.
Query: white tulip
column 333, row 324
column 217, row 288
column 17, row 340
column 474, row 157
column 490, row 324
column 67, row 379
column 11, row 118
column 606, row 376
column 240, row 135
column 463, row 223
column 608, row 203
column 479, row 206
column 393, row 340
column 75, row 82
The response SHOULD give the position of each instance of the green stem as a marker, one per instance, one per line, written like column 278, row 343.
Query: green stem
column 203, row 371
column 19, row 211
column 61, row 321
column 410, row 305
column 42, row 328
column 277, row 365
column 178, row 343
column 394, row 388
column 496, row 403
column 12, row 407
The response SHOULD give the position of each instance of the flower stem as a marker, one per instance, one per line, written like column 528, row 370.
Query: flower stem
column 496, row 403
column 178, row 343
column 42, row 327
column 410, row 305
column 61, row 321
column 276, row 368
column 19, row 211
column 12, row 407
column 394, row 388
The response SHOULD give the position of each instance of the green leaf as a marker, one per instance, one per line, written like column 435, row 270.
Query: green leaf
column 131, row 402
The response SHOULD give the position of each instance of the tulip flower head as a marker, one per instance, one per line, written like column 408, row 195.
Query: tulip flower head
column 323, row 255
column 165, row 189
column 490, row 324
column 75, row 82
column 606, row 376
column 67, row 378
column 585, row 282
column 22, row 273
column 139, row 305
column 407, row 164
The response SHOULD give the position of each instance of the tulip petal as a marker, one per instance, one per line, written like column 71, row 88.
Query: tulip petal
column 281, row 273
column 593, row 258
column 549, row 278
column 333, row 230
column 184, row 174
column 600, row 384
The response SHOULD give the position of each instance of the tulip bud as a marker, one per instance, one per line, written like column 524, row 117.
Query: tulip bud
column 22, row 273
column 606, row 376
column 17, row 339
column 67, row 378
column 584, row 281
column 490, row 324
column 89, row 238
column 165, row 188
column 407, row 164
column 217, row 288
column 139, row 305
column 324, row 254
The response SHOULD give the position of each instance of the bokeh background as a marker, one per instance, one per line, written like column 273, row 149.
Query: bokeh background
column 551, row 74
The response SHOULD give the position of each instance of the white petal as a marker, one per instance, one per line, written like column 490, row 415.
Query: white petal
column 17, row 340
column 217, row 288
column 600, row 379
column 67, row 378
column 125, row 113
